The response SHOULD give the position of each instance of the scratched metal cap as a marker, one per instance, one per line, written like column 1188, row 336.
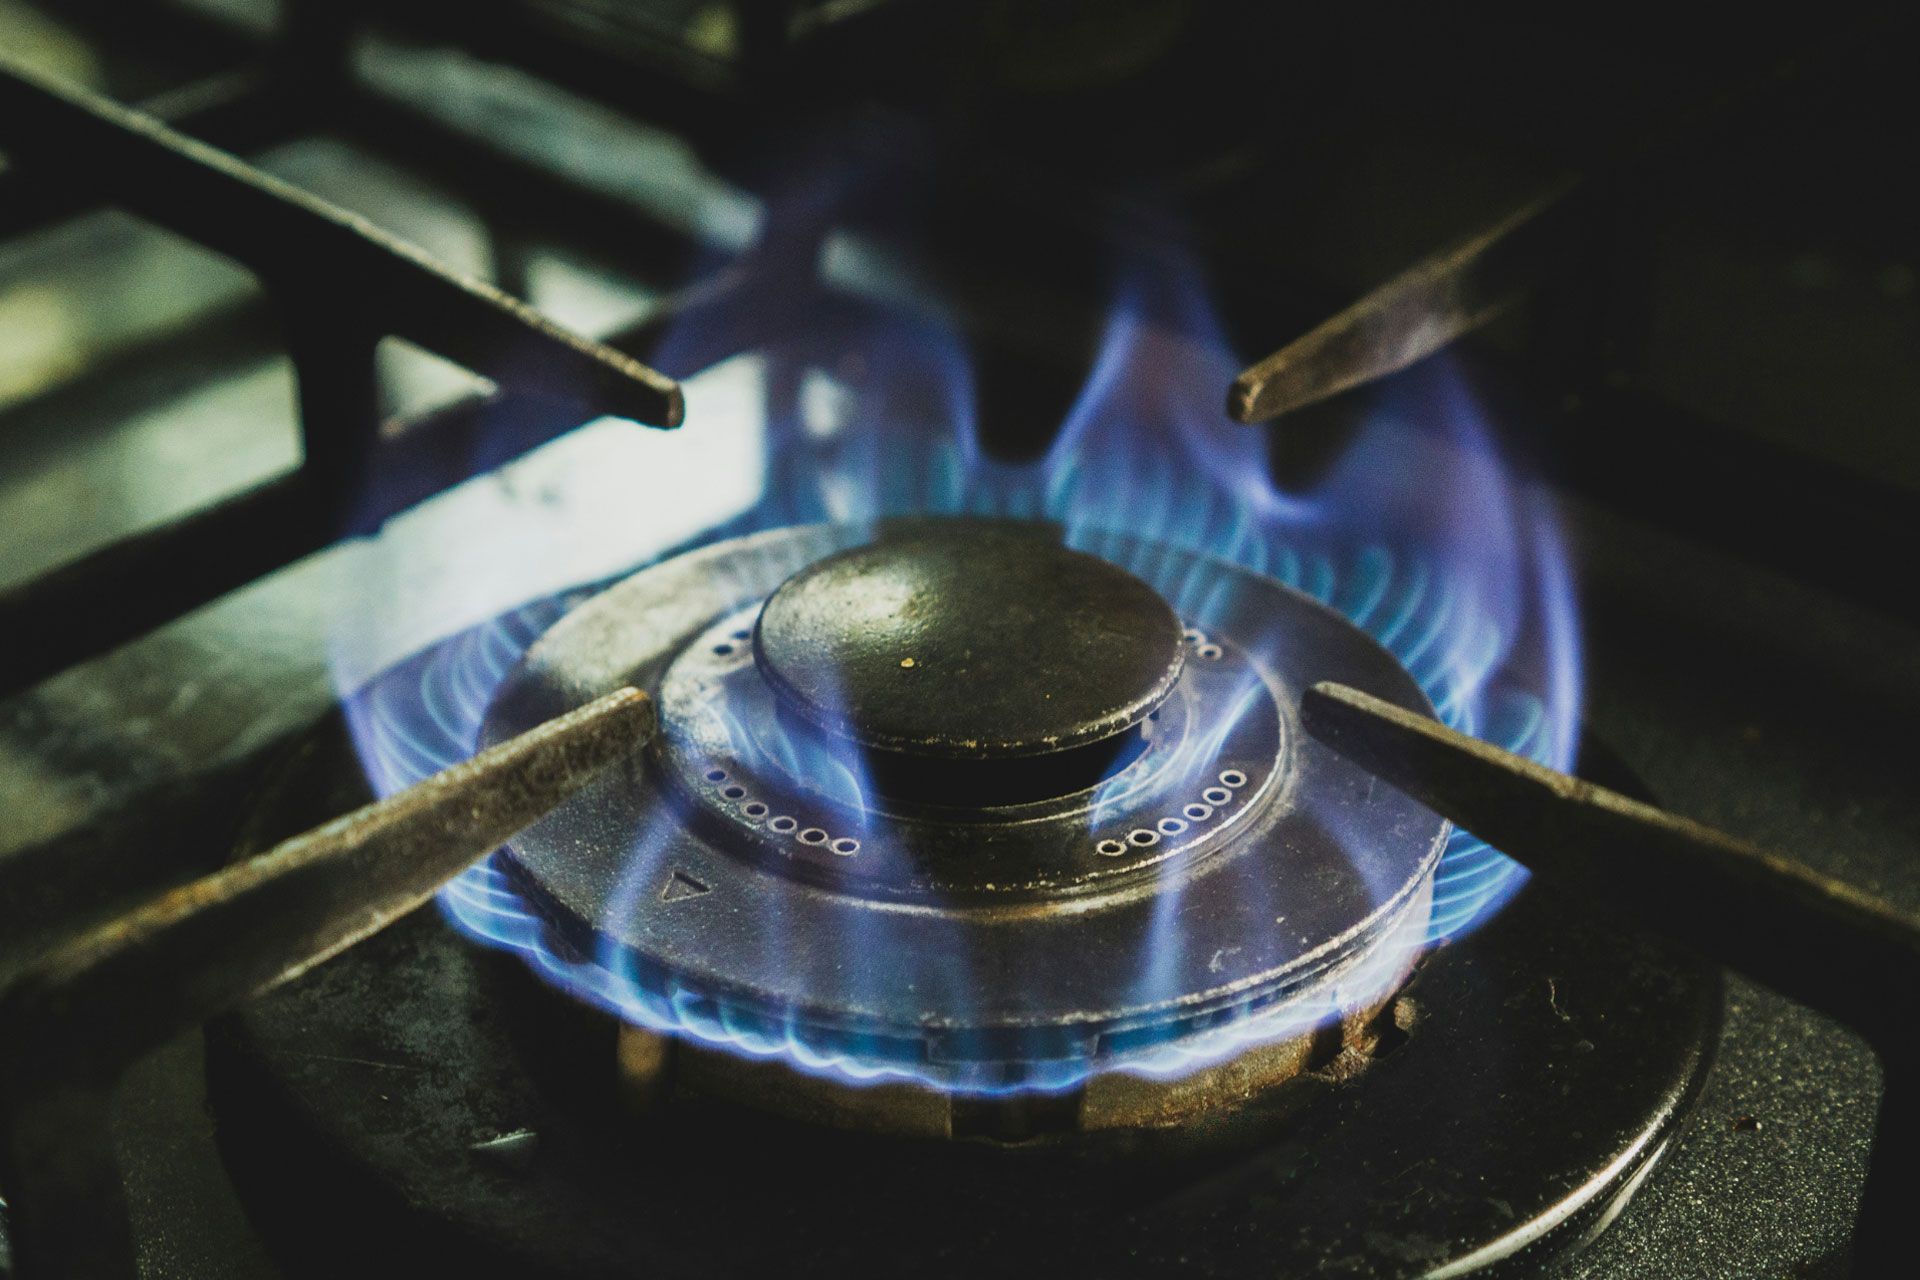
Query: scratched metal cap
column 969, row 643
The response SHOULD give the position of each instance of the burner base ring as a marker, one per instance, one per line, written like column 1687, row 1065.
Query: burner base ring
column 1021, row 946
column 441, row 1099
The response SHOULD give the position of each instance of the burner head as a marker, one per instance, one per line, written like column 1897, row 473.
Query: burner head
column 818, row 852
column 969, row 641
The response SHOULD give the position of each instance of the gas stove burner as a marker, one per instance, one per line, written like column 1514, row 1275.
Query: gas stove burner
column 1169, row 1101
column 975, row 810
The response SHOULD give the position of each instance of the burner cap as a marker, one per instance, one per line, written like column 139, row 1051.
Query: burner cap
column 969, row 643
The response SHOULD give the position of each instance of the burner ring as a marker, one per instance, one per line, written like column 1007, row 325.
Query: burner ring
column 732, row 754
column 959, row 986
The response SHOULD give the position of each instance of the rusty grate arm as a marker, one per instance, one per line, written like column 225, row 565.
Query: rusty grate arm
column 341, row 284
column 1805, row 934
column 75, row 1020
column 1817, row 940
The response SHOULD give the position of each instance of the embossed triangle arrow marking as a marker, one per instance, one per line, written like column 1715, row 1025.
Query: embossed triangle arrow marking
column 681, row 885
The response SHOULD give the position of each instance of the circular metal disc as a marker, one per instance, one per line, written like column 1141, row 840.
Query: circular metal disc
column 969, row 641
column 1300, row 867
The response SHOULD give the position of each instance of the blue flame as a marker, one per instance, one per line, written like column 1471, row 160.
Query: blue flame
column 1419, row 535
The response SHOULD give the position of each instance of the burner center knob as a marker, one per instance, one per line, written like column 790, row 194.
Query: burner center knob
column 974, row 643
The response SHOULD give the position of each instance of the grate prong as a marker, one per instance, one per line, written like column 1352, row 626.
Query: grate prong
column 73, row 1021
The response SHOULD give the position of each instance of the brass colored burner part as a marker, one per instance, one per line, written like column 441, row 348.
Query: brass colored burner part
column 653, row 1067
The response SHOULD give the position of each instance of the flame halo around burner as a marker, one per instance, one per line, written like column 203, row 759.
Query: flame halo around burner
column 1229, row 871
